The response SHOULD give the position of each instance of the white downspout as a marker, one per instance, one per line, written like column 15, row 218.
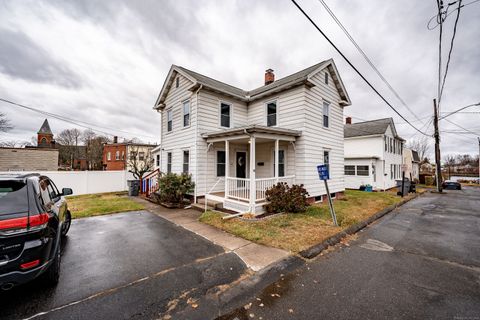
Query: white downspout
column 195, row 192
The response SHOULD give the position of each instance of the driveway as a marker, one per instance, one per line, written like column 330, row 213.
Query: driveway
column 422, row 261
column 126, row 265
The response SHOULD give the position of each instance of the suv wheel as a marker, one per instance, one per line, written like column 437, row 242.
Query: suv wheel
column 66, row 224
column 52, row 274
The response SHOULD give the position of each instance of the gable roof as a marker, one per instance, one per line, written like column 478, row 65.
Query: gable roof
column 298, row 78
column 415, row 156
column 369, row 128
column 45, row 128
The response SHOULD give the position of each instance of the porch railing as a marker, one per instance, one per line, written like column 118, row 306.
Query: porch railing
column 263, row 184
column 149, row 183
column 239, row 188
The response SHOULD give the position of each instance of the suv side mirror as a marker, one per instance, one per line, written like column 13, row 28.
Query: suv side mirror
column 67, row 191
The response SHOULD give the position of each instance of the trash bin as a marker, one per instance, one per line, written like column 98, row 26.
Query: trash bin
column 133, row 187
column 406, row 186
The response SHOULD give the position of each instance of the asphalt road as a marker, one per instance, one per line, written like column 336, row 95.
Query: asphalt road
column 131, row 265
column 421, row 261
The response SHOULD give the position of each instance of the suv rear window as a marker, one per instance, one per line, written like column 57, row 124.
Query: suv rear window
column 13, row 197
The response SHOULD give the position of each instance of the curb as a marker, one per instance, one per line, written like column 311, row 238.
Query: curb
column 315, row 250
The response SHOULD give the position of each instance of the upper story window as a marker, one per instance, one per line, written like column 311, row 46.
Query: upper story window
column 225, row 112
column 186, row 161
column 186, row 113
column 169, row 162
column 169, row 120
column 123, row 155
column 117, row 155
column 385, row 142
column 272, row 114
column 109, row 156
column 158, row 160
column 326, row 77
column 326, row 114
column 141, row 156
column 177, row 82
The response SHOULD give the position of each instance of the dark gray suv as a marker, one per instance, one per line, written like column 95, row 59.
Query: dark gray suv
column 33, row 218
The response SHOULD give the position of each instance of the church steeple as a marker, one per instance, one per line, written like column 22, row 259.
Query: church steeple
column 45, row 136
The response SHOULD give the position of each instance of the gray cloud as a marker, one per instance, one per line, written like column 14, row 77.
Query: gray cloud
column 20, row 57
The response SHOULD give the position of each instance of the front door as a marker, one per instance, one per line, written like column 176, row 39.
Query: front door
column 241, row 164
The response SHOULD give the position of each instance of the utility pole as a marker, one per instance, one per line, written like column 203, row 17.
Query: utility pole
column 478, row 159
column 438, row 166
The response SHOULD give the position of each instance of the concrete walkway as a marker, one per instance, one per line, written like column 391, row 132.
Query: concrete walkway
column 255, row 256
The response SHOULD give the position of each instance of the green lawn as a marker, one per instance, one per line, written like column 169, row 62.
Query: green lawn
column 101, row 203
column 298, row 231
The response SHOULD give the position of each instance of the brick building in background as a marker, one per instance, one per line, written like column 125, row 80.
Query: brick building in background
column 116, row 155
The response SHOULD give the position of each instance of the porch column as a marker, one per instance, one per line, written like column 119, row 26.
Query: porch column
column 227, row 165
column 253, row 191
column 277, row 142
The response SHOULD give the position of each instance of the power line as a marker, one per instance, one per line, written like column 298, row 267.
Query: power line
column 467, row 130
column 366, row 57
column 353, row 67
column 440, row 21
column 450, row 51
column 446, row 14
column 73, row 121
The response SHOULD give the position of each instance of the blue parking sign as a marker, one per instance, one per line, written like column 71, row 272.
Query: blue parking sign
column 323, row 172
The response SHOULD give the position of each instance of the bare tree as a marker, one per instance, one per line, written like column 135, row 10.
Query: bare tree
column 5, row 124
column 94, row 148
column 422, row 146
column 450, row 162
column 68, row 140
column 13, row 143
column 139, row 162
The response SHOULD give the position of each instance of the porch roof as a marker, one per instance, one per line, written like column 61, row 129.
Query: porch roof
column 252, row 129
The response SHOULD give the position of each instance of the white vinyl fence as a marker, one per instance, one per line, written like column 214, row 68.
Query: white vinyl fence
column 86, row 182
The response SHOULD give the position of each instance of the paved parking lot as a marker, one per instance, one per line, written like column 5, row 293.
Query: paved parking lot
column 126, row 265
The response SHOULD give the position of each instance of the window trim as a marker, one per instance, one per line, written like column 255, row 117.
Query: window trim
column 157, row 160
column 284, row 161
column 109, row 156
column 354, row 169
column 117, row 155
column 189, row 113
column 367, row 171
column 277, row 118
column 177, row 82
column 220, row 113
column 328, row 115
column 326, row 80
column 325, row 150
column 168, row 111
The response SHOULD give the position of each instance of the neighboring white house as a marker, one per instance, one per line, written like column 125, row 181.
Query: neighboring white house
column 236, row 143
column 411, row 164
column 373, row 154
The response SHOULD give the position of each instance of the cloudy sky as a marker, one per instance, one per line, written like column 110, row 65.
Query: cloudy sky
column 104, row 62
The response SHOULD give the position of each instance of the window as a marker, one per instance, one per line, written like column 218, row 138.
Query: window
column 123, row 155
column 220, row 163
column 158, row 160
column 271, row 114
column 385, row 141
column 281, row 163
column 225, row 115
column 326, row 77
column 109, row 156
column 391, row 171
column 186, row 113
column 326, row 114
column 349, row 170
column 391, row 144
column 363, row 171
column 169, row 162
column 169, row 120
column 141, row 156
column 177, row 82
column 186, row 160
column 333, row 195
column 133, row 155
column 117, row 155
column 326, row 161
column 318, row 198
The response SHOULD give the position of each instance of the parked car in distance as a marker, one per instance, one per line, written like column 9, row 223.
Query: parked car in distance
column 449, row 184
column 33, row 219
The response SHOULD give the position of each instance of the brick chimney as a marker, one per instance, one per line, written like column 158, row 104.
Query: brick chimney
column 115, row 139
column 269, row 76
column 348, row 120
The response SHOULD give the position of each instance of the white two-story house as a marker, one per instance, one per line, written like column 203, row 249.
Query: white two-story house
column 237, row 143
column 373, row 154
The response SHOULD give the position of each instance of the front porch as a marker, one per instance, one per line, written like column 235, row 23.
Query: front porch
column 247, row 162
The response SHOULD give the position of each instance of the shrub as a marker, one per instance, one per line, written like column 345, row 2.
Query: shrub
column 430, row 181
column 283, row 198
column 173, row 187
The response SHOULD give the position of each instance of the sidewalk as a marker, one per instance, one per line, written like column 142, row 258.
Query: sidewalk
column 255, row 256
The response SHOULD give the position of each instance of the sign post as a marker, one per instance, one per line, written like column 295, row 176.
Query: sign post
column 324, row 175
